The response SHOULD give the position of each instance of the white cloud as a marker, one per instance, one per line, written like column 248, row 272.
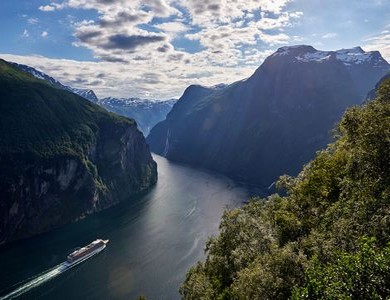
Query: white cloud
column 160, row 8
column 379, row 42
column 25, row 33
column 226, row 26
column 229, row 37
column 119, row 80
column 44, row 34
column 47, row 8
column 206, row 12
column 32, row 21
column 173, row 28
column 281, row 21
column 52, row 7
column 275, row 39
column 329, row 35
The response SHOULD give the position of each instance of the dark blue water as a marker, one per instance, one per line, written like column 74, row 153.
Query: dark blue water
column 153, row 242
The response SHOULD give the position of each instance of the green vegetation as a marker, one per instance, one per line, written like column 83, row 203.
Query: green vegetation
column 62, row 157
column 41, row 123
column 28, row 105
column 328, row 238
column 364, row 274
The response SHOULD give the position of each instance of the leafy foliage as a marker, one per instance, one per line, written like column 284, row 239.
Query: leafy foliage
column 364, row 274
column 326, row 239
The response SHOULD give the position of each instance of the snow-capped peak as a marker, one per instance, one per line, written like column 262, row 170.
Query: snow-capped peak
column 317, row 56
column 133, row 102
column 347, row 56
column 38, row 74
column 288, row 50
column 353, row 56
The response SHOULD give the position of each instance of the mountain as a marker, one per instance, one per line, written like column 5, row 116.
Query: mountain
column 62, row 157
column 327, row 238
column 273, row 122
column 372, row 94
column 147, row 113
column 85, row 93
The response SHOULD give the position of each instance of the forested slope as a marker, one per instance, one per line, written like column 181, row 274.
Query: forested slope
column 328, row 238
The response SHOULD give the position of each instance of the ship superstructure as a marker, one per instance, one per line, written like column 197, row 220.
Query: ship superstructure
column 86, row 252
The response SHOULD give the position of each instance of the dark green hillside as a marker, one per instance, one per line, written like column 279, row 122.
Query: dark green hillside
column 44, row 121
column 62, row 156
column 329, row 238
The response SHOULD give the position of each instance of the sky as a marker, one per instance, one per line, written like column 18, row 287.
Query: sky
column 156, row 48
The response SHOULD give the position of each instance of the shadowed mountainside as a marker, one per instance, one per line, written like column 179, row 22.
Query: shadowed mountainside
column 62, row 157
column 273, row 122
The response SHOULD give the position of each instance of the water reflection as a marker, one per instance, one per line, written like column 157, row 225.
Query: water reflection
column 153, row 241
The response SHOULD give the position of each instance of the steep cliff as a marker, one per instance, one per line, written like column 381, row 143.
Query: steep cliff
column 273, row 122
column 62, row 157
column 373, row 93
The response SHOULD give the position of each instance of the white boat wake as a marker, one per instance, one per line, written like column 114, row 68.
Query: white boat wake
column 35, row 281
column 45, row 276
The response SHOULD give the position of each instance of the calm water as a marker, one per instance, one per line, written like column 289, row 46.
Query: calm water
column 153, row 242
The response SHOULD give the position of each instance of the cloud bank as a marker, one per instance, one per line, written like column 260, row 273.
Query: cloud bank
column 156, row 48
column 142, row 47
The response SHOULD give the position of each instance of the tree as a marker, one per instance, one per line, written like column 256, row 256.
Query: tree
column 326, row 239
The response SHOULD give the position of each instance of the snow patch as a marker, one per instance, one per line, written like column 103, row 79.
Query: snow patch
column 346, row 56
column 318, row 56
column 134, row 102
column 353, row 56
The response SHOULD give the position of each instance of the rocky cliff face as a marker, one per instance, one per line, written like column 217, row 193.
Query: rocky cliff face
column 45, row 194
column 273, row 122
column 63, row 158
column 373, row 93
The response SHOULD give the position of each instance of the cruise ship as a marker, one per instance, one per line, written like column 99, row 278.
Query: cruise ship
column 86, row 252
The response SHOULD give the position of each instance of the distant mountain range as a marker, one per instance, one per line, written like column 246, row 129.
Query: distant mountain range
column 273, row 122
column 62, row 157
column 146, row 112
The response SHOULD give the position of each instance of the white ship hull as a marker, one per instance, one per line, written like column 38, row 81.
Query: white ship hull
column 68, row 264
